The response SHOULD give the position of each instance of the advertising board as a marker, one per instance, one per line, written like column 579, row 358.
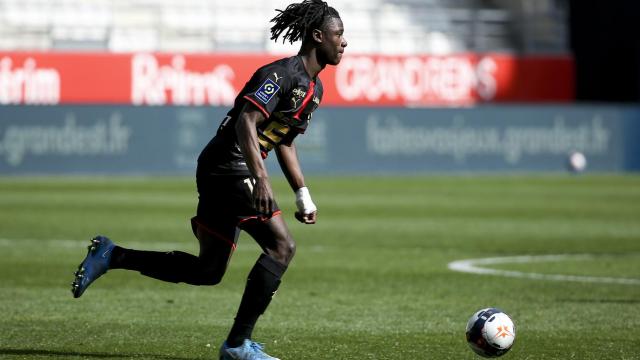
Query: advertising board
column 215, row 79
column 167, row 139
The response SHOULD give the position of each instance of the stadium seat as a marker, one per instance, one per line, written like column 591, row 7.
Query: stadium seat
column 375, row 26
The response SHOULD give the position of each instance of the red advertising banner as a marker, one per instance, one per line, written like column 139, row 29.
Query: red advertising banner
column 215, row 79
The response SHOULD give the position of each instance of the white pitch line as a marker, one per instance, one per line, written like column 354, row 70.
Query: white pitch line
column 146, row 245
column 478, row 266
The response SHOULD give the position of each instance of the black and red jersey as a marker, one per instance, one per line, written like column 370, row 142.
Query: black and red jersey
column 286, row 95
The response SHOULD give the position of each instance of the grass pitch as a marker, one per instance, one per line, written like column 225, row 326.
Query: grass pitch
column 369, row 281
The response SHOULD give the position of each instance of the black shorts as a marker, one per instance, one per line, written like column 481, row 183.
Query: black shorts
column 227, row 200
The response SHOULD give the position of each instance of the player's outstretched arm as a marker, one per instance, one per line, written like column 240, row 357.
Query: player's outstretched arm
column 248, row 121
column 288, row 159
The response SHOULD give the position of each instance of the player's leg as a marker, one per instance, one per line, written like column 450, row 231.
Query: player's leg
column 208, row 268
column 216, row 232
column 217, row 242
column 265, row 276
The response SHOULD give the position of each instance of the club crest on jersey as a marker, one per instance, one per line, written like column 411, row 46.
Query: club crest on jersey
column 267, row 90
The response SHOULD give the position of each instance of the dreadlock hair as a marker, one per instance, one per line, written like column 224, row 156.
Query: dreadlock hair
column 300, row 18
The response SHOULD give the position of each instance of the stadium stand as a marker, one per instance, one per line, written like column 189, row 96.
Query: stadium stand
column 375, row 26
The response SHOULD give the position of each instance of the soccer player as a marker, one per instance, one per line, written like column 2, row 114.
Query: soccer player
column 234, row 189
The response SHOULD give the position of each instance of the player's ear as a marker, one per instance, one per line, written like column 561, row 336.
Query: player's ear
column 317, row 35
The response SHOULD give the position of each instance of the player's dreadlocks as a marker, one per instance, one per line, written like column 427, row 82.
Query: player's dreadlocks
column 298, row 19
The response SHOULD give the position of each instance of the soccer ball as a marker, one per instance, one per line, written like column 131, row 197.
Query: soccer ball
column 490, row 332
column 577, row 162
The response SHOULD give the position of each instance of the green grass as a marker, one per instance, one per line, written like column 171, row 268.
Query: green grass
column 369, row 281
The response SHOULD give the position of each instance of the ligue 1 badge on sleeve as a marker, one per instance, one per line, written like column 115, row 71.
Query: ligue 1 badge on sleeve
column 267, row 90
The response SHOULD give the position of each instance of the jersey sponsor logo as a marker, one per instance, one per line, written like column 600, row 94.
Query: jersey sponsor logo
column 295, row 101
column 298, row 97
column 267, row 90
column 277, row 77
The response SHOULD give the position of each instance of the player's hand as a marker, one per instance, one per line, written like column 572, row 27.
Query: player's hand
column 307, row 210
column 263, row 197
column 306, row 218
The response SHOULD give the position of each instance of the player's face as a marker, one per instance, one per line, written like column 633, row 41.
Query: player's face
column 333, row 41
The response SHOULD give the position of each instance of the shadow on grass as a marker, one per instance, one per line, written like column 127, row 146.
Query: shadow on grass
column 85, row 355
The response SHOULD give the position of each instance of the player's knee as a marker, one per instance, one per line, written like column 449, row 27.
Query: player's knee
column 213, row 279
column 290, row 249
column 211, row 276
column 285, row 250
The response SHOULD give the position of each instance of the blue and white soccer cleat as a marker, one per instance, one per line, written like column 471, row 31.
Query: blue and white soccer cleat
column 249, row 350
column 94, row 264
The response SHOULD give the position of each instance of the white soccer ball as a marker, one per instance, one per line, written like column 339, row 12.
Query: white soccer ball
column 490, row 332
column 577, row 162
